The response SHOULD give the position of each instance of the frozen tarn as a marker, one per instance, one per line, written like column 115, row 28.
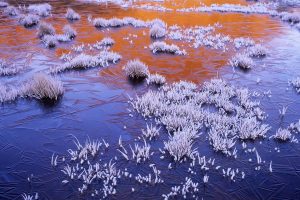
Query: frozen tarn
column 8, row 94
column 42, row 10
column 7, row 69
column 260, row 8
column 72, row 15
column 162, row 47
column 136, row 69
column 83, row 61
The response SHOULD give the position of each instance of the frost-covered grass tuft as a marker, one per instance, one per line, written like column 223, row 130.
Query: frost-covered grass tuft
column 157, row 31
column 42, row 10
column 11, row 10
column 100, row 22
column 243, row 42
column 241, row 60
column 260, row 8
column 43, row 86
column 151, row 132
column 184, row 108
column 156, row 79
column 72, row 15
column 83, row 61
column 283, row 134
column 49, row 41
column 292, row 18
column 3, row 4
column 45, row 29
column 135, row 69
column 29, row 20
column 40, row 86
column 257, row 51
column 69, row 31
column 27, row 197
column 107, row 41
column 180, row 145
column 8, row 94
column 116, row 22
column 7, row 69
column 296, row 84
column 162, row 47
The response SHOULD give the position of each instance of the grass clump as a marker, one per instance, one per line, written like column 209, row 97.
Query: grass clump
column 72, row 15
column 135, row 69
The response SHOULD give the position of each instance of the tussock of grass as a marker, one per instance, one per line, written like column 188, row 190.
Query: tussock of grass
column 40, row 86
column 259, row 8
column 49, row 41
column 156, row 31
column 45, row 29
column 69, row 31
column 29, row 20
column 83, row 61
column 156, row 79
column 257, row 51
column 119, row 22
column 296, row 84
column 3, row 4
column 72, row 15
column 135, row 69
column 7, row 69
column 11, row 11
column 282, row 134
column 42, row 10
column 43, row 86
column 162, row 47
column 241, row 60
column 292, row 18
